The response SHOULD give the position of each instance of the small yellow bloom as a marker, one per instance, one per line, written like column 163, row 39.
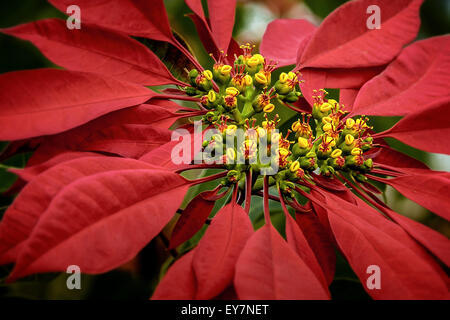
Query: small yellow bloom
column 325, row 107
column 208, row 74
column 253, row 61
column 295, row 126
column 225, row 70
column 327, row 127
column 349, row 123
column 349, row 139
column 336, row 153
column 294, row 166
column 356, row 151
column 284, row 152
column 211, row 96
column 231, row 129
column 248, row 80
column 326, row 120
column 259, row 57
column 269, row 108
column 261, row 78
column 333, row 102
column 284, row 77
column 303, row 143
column 232, row 91
column 292, row 75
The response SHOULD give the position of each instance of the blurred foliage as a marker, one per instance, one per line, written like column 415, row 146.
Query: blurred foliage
column 137, row 279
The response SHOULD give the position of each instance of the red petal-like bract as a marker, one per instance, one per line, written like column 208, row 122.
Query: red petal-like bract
column 179, row 283
column 197, row 7
column 30, row 172
column 411, row 83
column 129, row 140
column 427, row 130
column 94, row 49
column 162, row 156
column 130, row 132
column 269, row 269
column 191, row 220
column 282, row 39
column 23, row 214
column 437, row 243
column 217, row 252
column 320, row 242
column 347, row 98
column 343, row 40
column 208, row 42
column 221, row 16
column 315, row 78
column 429, row 190
column 141, row 18
column 367, row 238
column 48, row 101
column 101, row 220
column 297, row 240
column 397, row 159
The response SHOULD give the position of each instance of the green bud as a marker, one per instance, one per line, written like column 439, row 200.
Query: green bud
column 191, row 91
column 292, row 96
column 192, row 76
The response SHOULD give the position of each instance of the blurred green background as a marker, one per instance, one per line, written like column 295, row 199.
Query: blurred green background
column 137, row 279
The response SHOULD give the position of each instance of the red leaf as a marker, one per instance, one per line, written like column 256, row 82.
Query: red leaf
column 437, row 243
column 413, row 81
column 130, row 140
column 427, row 130
column 367, row 238
column 130, row 132
column 208, row 41
column 430, row 190
column 23, row 214
column 394, row 158
column 320, row 242
column 297, row 240
column 347, row 98
column 268, row 269
column 217, row 252
column 162, row 156
column 204, row 33
column 196, row 6
column 29, row 173
column 135, row 17
column 281, row 43
column 48, row 101
column 179, row 283
column 334, row 78
column 102, row 220
column 221, row 16
column 343, row 40
column 94, row 49
column 192, row 219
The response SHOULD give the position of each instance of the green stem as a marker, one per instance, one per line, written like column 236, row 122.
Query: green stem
column 259, row 183
column 3, row 166
column 248, row 116
column 237, row 115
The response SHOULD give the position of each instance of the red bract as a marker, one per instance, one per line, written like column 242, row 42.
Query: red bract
column 101, row 183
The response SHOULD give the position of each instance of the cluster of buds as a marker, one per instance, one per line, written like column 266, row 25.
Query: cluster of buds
column 242, row 89
column 324, row 141
column 335, row 143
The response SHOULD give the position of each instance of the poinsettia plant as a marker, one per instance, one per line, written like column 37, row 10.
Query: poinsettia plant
column 103, row 181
